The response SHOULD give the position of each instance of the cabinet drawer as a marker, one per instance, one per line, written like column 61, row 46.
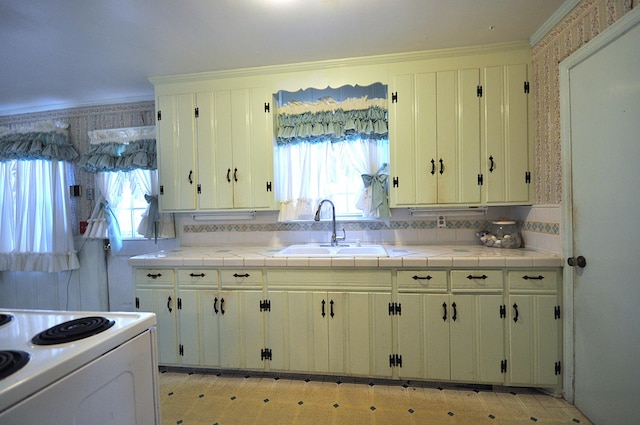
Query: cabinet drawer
column 241, row 277
column 532, row 280
column 422, row 280
column 154, row 276
column 476, row 280
column 198, row 277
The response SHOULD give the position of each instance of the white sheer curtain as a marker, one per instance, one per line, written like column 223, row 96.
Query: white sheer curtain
column 103, row 224
column 153, row 224
column 36, row 226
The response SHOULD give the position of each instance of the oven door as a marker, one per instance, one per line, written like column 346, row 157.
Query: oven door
column 120, row 387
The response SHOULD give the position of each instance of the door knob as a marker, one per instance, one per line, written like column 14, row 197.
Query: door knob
column 578, row 261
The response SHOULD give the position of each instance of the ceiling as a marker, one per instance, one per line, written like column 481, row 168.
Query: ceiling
column 66, row 53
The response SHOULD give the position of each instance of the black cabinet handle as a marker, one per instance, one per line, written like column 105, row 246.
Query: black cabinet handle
column 540, row 277
column 472, row 277
column 492, row 166
column 444, row 318
column 196, row 275
column 215, row 305
column 441, row 166
column 331, row 308
column 323, row 313
column 169, row 304
column 455, row 312
column 515, row 308
column 422, row 277
column 433, row 167
column 235, row 174
column 222, row 305
column 154, row 276
column 228, row 174
column 190, row 177
column 241, row 275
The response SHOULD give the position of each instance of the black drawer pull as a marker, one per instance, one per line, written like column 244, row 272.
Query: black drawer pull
column 222, row 305
column 472, row 277
column 455, row 312
column 444, row 318
column 515, row 308
column 241, row 275
column 421, row 277
column 196, row 275
column 533, row 277
column 154, row 276
column 215, row 305
column 169, row 304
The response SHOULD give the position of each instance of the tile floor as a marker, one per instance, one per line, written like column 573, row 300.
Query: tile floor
column 206, row 398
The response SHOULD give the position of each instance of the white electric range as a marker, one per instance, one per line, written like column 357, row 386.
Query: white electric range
column 78, row 368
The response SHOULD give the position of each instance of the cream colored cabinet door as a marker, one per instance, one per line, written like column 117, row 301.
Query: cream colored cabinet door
column 534, row 329
column 423, row 337
column 189, row 338
column 176, row 147
column 505, row 139
column 477, row 338
column 435, row 138
column 162, row 302
column 209, row 327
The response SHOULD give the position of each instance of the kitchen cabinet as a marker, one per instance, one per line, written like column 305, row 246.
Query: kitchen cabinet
column 534, row 328
column 343, row 330
column 505, row 138
column 215, row 150
column 451, row 336
column 155, row 292
column 435, row 138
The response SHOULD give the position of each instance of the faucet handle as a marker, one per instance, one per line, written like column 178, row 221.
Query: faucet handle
column 343, row 237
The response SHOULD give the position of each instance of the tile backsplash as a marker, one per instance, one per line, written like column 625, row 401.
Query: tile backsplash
column 540, row 227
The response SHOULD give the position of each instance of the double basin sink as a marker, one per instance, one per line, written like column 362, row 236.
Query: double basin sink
column 326, row 250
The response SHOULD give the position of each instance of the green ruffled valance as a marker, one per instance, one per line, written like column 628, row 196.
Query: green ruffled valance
column 120, row 149
column 44, row 141
column 140, row 154
column 370, row 123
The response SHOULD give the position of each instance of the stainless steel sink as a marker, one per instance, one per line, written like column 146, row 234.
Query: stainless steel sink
column 321, row 250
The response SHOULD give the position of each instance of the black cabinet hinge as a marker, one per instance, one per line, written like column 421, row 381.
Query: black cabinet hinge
column 159, row 115
column 395, row 309
column 395, row 360
column 265, row 305
column 527, row 177
column 480, row 179
column 199, row 189
column 526, row 87
column 179, row 303
column 558, row 368
column 503, row 366
column 269, row 187
column 396, row 182
column 394, row 97
column 479, row 91
column 137, row 303
column 556, row 312
column 503, row 311
column 161, row 189
column 265, row 354
column 181, row 350
column 196, row 112
column 267, row 107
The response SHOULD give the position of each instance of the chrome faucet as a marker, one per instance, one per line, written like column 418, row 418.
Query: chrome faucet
column 334, row 238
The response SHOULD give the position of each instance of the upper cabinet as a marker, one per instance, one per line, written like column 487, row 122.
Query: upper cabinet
column 460, row 132
column 215, row 150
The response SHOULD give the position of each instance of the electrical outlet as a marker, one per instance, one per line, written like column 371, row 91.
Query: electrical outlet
column 89, row 194
column 442, row 222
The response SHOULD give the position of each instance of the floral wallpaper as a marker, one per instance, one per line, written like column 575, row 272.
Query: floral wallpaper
column 585, row 21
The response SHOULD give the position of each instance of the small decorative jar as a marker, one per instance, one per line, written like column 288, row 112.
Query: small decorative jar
column 501, row 234
column 506, row 234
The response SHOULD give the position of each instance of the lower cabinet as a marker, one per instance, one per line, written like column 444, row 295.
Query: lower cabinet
column 346, row 330
column 491, row 326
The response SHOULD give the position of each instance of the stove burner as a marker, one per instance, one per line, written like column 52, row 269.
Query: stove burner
column 5, row 318
column 12, row 361
column 73, row 330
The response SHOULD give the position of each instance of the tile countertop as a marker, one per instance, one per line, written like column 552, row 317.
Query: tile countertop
column 405, row 256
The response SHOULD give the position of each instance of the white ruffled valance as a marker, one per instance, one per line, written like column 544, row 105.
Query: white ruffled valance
column 44, row 140
column 121, row 149
column 122, row 135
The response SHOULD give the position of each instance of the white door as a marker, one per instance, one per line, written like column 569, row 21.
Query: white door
column 601, row 138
